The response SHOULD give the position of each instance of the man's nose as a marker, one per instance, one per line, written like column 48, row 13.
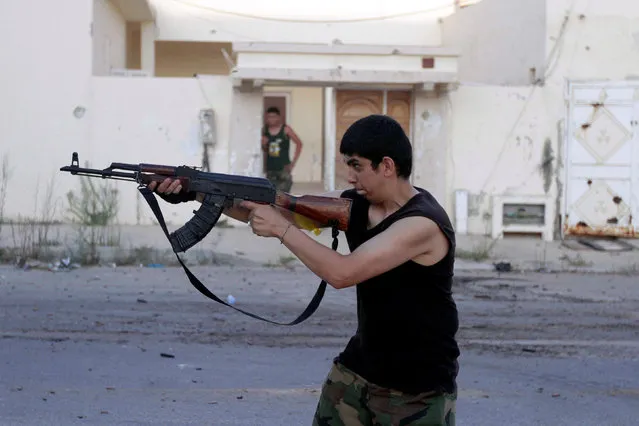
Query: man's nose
column 351, row 177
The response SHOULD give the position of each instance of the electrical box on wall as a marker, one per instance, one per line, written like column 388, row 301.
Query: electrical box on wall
column 522, row 215
column 207, row 127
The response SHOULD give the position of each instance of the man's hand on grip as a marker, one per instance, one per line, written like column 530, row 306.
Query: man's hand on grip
column 265, row 220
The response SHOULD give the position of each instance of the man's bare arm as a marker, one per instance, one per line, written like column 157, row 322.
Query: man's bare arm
column 401, row 242
column 298, row 144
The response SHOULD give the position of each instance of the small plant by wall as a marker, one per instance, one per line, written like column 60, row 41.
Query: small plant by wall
column 93, row 211
column 31, row 235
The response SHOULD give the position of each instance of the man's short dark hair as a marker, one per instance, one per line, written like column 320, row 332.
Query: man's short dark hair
column 273, row 110
column 377, row 136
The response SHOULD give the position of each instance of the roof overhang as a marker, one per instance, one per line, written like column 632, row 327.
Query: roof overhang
column 135, row 10
column 343, row 65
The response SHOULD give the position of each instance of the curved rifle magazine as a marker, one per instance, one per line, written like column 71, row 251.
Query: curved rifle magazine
column 198, row 227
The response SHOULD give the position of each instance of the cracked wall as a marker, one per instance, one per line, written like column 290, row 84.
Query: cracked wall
column 509, row 140
column 501, row 145
column 245, row 150
column 430, row 143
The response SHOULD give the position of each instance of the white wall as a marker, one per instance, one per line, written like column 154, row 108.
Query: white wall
column 601, row 41
column 46, row 74
column 109, row 37
column 431, row 143
column 154, row 120
column 245, row 151
column 497, row 146
column 499, row 134
column 499, row 41
column 128, row 120
column 180, row 22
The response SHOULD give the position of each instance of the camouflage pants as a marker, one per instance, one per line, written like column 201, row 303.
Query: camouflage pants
column 282, row 180
column 348, row 400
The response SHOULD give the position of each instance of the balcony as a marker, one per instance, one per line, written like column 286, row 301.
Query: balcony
column 341, row 65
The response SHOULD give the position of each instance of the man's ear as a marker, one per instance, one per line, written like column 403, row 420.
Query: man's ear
column 388, row 166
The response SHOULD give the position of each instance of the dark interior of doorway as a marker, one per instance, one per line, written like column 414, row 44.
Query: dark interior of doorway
column 276, row 101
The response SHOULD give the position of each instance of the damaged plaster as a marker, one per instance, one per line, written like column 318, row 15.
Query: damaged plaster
column 545, row 167
column 430, row 127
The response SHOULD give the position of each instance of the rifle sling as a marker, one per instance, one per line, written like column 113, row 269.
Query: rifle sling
column 310, row 309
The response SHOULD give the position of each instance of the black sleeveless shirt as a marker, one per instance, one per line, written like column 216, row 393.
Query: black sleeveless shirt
column 407, row 318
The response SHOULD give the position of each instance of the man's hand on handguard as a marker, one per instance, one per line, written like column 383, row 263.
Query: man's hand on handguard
column 170, row 191
column 167, row 186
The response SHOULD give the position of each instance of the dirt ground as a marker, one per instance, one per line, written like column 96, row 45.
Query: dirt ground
column 140, row 345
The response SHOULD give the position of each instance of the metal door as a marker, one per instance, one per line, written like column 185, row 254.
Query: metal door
column 602, row 160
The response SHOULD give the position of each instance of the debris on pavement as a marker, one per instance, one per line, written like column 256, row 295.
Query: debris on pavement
column 63, row 265
column 503, row 266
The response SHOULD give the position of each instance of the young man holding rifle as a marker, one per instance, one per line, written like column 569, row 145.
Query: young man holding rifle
column 400, row 367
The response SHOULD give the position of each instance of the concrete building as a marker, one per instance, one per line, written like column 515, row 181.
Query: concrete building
column 497, row 98
column 545, row 117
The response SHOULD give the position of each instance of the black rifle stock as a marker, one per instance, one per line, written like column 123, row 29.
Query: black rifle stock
column 220, row 191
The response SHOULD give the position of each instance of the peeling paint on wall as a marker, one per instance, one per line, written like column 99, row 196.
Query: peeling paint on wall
column 79, row 111
column 475, row 202
column 526, row 145
column 545, row 167
column 430, row 126
column 558, row 178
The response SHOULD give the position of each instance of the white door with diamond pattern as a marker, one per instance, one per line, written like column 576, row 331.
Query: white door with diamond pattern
column 602, row 153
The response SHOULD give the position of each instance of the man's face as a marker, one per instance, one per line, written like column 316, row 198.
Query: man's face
column 272, row 119
column 367, row 181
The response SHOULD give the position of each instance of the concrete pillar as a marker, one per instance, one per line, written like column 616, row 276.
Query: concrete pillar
column 147, row 36
column 245, row 149
column 329, row 138
column 431, row 120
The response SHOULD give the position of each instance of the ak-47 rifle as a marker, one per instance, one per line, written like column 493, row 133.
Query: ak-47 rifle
column 220, row 191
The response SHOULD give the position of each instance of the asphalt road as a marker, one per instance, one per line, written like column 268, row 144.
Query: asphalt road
column 86, row 347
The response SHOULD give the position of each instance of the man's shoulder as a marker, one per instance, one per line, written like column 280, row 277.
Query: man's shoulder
column 415, row 226
column 433, row 208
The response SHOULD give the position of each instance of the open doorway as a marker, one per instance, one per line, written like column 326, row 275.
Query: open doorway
column 302, row 108
column 280, row 101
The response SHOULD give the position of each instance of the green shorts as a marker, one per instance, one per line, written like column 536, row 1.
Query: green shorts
column 349, row 400
column 282, row 180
